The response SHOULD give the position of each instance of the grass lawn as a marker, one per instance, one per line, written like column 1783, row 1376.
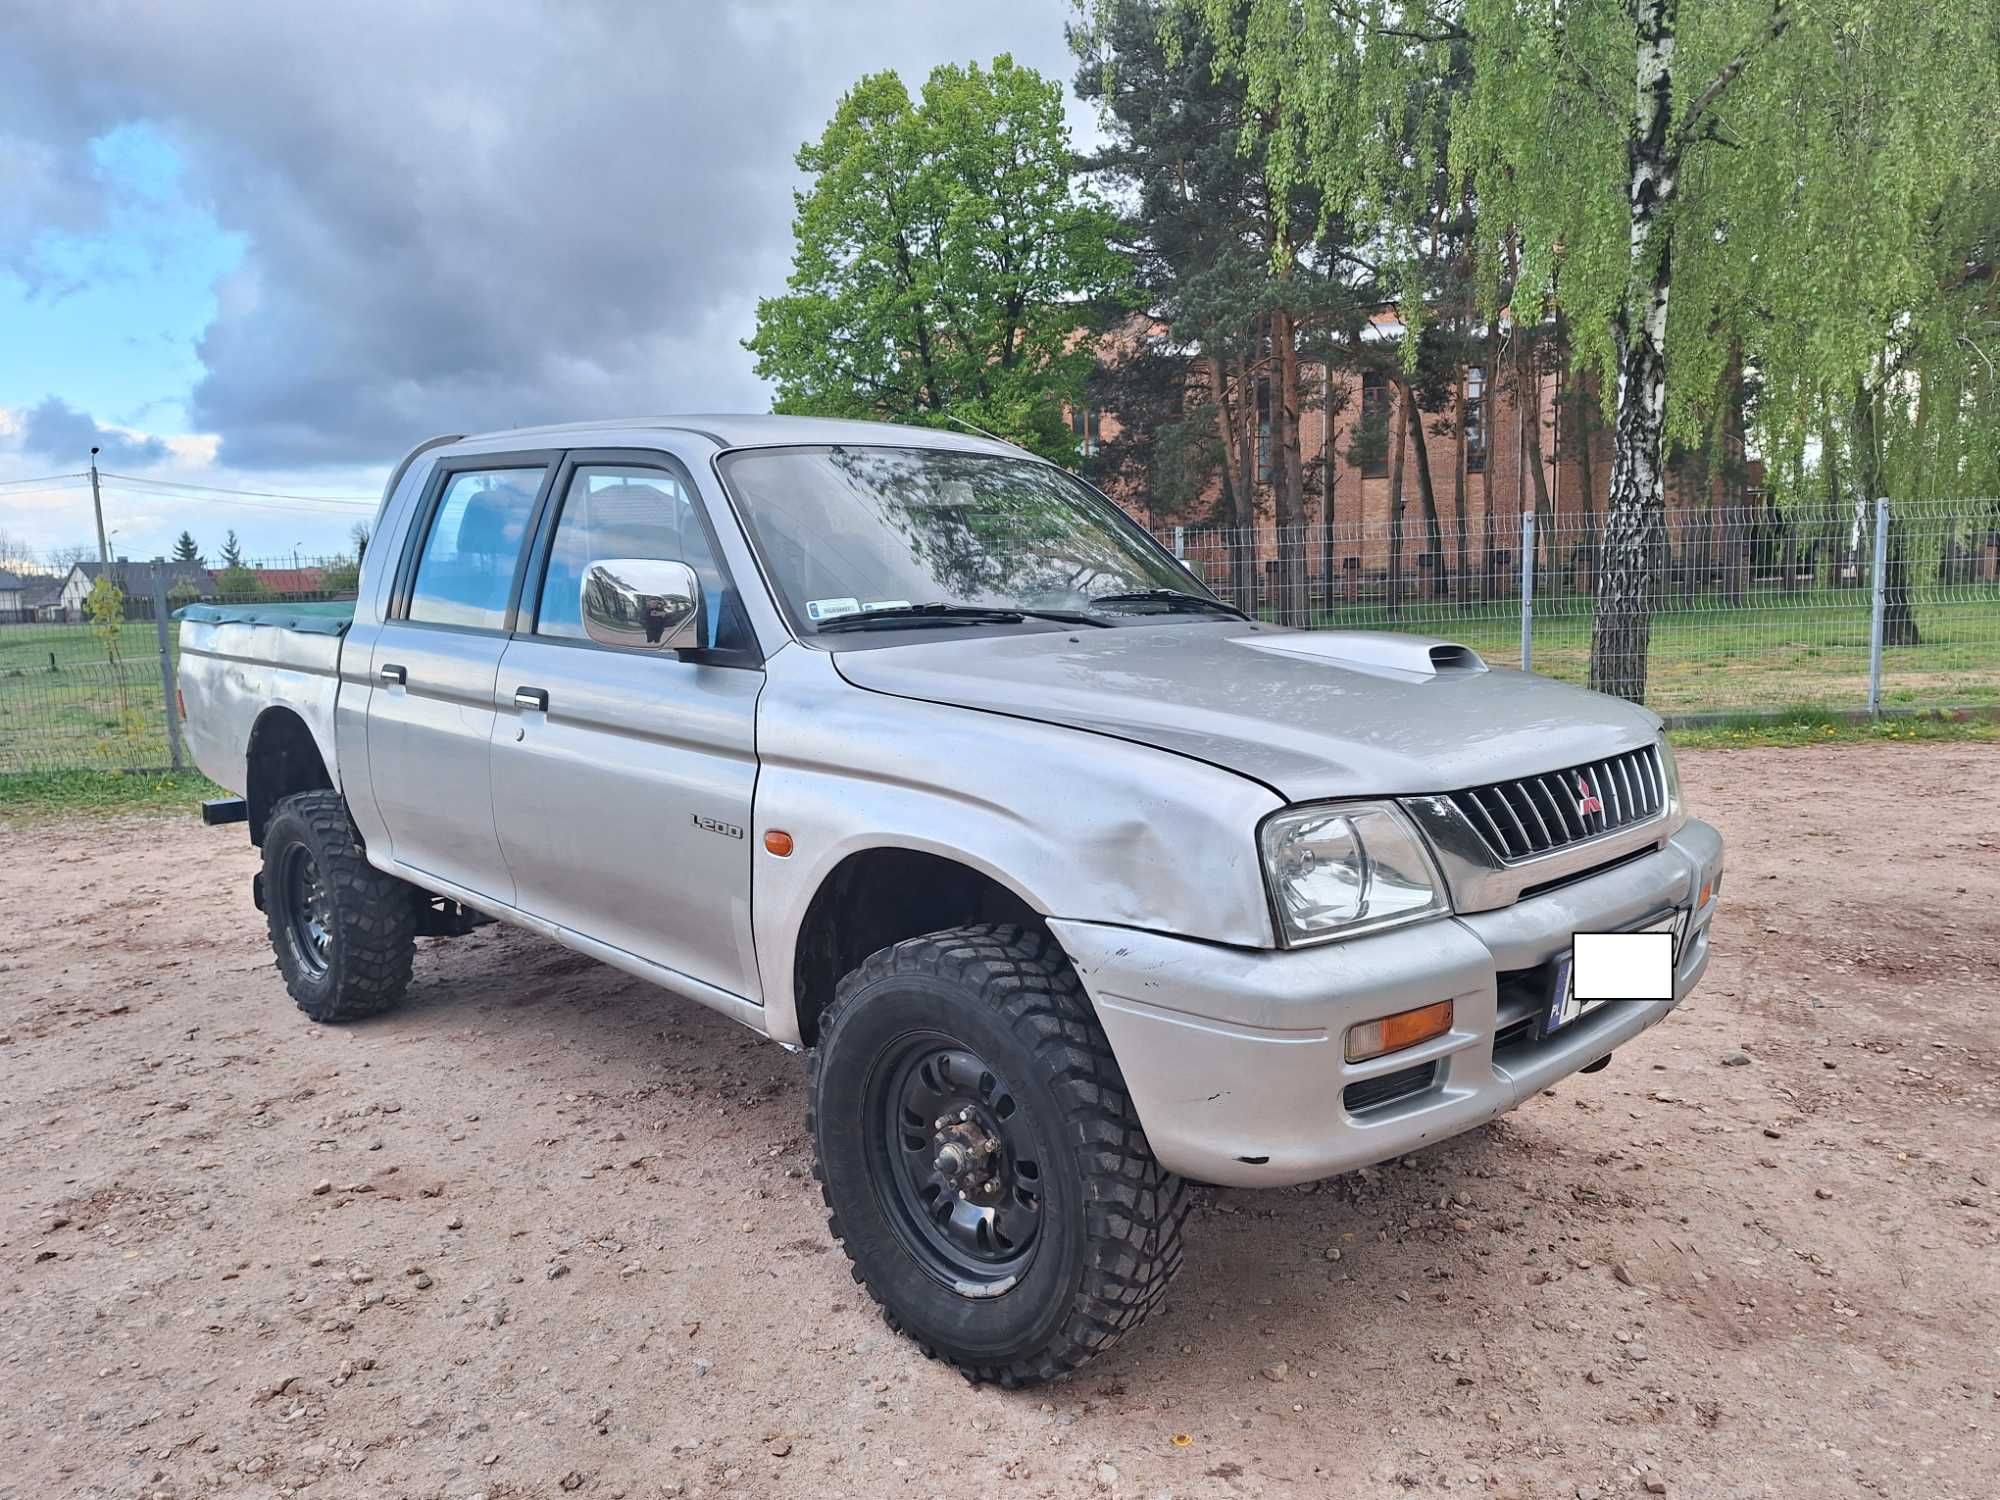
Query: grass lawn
column 1772, row 652
column 52, row 794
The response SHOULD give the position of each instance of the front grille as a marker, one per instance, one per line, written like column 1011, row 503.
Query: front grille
column 1373, row 1093
column 1541, row 814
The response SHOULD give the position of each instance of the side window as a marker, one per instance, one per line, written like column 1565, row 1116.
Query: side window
column 466, row 569
column 613, row 512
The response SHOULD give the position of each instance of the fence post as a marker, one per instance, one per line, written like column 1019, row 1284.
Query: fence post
column 168, row 706
column 1878, row 607
column 1527, row 591
column 1180, row 543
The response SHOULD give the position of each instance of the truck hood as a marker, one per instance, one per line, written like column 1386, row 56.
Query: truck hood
column 1310, row 715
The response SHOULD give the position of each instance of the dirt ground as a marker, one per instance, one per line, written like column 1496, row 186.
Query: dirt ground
column 545, row 1230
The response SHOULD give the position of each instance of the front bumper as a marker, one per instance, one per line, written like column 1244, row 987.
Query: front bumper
column 1234, row 1057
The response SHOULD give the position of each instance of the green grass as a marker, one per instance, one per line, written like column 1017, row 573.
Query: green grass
column 1773, row 651
column 53, row 794
column 1807, row 725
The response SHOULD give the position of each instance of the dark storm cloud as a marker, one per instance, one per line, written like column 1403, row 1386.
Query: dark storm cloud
column 472, row 215
column 59, row 433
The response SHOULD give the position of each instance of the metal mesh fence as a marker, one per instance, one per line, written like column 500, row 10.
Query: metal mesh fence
column 1745, row 614
column 81, row 686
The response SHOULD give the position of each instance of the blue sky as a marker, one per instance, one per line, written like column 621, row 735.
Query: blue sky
column 269, row 247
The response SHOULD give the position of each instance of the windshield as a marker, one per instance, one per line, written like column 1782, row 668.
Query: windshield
column 865, row 531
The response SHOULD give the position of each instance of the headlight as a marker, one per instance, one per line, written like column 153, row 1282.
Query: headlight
column 1348, row 868
column 1672, row 773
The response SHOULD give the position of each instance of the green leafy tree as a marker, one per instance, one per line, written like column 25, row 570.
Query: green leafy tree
column 944, row 264
column 241, row 585
column 185, row 548
column 1690, row 185
column 105, row 605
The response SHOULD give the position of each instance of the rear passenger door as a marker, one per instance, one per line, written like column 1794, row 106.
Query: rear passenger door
column 436, row 659
column 623, row 775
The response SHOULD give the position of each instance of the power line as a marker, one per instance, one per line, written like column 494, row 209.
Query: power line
column 216, row 489
column 301, row 506
column 8, row 484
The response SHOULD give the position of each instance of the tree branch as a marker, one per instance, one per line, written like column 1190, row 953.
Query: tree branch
column 1775, row 27
column 1446, row 32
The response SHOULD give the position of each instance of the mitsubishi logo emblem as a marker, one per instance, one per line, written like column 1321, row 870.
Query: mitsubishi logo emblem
column 1586, row 799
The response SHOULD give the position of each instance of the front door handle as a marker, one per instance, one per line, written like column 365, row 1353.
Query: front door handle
column 395, row 674
column 530, row 697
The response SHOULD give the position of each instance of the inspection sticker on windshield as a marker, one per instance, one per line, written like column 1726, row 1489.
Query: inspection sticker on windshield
column 874, row 604
column 831, row 609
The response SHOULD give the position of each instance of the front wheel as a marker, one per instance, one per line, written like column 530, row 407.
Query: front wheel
column 983, row 1163
column 344, row 932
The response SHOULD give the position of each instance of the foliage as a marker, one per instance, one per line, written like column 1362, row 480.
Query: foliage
column 238, row 584
column 341, row 576
column 943, row 261
column 183, row 593
column 105, row 605
column 1799, row 188
column 232, row 551
column 186, row 549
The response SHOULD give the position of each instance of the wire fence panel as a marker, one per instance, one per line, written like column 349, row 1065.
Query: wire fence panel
column 1941, row 605
column 1745, row 613
column 65, row 710
column 80, row 682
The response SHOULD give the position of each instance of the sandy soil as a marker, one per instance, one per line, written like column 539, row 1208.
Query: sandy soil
column 545, row 1230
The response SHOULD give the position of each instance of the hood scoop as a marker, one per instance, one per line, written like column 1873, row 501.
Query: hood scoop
column 1405, row 656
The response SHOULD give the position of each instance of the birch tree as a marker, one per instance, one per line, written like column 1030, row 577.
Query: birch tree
column 1675, row 178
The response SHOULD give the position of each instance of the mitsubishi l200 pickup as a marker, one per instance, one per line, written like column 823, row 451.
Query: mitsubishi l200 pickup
column 910, row 750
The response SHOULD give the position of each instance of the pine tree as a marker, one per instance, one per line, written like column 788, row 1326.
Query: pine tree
column 185, row 549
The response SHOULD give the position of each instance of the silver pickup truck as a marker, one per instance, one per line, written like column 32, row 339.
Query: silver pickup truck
column 912, row 751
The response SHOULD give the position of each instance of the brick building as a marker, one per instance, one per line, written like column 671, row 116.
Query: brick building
column 1349, row 540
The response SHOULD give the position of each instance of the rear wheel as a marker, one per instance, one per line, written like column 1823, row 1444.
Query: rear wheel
column 983, row 1164
column 344, row 933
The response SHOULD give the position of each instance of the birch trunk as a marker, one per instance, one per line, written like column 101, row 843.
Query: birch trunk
column 1621, row 628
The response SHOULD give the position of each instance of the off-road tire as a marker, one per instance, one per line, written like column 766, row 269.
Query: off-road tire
column 371, row 934
column 1109, row 1239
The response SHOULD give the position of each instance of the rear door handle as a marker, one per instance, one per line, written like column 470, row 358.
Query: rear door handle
column 535, row 698
column 391, row 673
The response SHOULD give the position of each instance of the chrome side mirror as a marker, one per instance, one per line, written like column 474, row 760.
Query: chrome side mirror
column 643, row 602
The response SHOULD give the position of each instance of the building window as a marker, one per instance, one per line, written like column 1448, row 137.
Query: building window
column 1084, row 422
column 1475, row 420
column 1263, row 432
column 1373, row 434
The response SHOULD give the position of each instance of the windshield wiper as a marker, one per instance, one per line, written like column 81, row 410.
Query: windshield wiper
column 1172, row 599
column 904, row 615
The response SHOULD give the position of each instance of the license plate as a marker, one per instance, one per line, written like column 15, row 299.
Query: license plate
column 1564, row 1007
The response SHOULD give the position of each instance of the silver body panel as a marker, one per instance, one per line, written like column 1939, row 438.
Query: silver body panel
column 1112, row 780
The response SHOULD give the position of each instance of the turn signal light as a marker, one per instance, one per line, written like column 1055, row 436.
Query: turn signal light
column 1393, row 1033
column 778, row 842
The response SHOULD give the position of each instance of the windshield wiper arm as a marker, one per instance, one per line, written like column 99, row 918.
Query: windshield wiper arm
column 902, row 615
column 1172, row 598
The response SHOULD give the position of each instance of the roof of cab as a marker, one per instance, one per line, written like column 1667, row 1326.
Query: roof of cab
column 747, row 430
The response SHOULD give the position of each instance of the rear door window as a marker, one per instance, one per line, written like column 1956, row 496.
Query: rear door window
column 465, row 573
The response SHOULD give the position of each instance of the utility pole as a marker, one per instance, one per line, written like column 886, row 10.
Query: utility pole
column 97, row 504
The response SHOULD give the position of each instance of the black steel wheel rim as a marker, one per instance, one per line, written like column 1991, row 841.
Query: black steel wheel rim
column 958, row 1163
column 308, row 909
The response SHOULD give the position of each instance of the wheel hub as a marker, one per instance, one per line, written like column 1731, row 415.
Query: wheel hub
column 962, row 1163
